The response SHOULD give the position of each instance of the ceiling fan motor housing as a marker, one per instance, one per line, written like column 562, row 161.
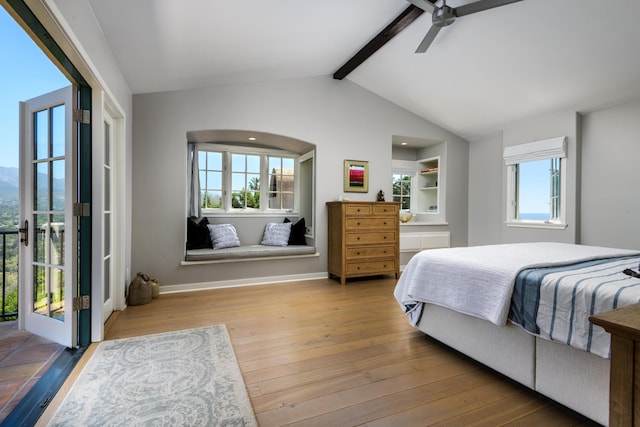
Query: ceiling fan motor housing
column 443, row 16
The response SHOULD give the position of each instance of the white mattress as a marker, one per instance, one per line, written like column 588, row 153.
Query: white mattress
column 479, row 340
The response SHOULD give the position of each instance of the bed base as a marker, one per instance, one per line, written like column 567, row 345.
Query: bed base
column 573, row 378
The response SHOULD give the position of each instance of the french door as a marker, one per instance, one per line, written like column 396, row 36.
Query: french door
column 107, row 218
column 48, row 187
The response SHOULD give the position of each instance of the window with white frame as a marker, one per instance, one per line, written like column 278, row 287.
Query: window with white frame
column 402, row 190
column 231, row 179
column 403, row 175
column 245, row 181
column 281, row 182
column 210, row 163
column 536, row 183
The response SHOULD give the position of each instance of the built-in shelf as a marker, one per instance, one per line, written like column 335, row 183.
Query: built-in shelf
column 428, row 191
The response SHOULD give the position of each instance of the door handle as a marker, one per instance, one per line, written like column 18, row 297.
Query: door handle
column 25, row 232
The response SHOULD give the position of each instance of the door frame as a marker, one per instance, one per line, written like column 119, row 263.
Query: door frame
column 84, row 221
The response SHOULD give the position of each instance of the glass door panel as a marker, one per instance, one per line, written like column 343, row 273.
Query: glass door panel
column 47, row 275
column 107, row 219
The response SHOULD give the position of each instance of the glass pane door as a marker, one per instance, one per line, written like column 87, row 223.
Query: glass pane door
column 107, row 218
column 47, row 190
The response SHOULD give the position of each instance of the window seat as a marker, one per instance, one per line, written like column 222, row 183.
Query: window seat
column 247, row 251
column 250, row 232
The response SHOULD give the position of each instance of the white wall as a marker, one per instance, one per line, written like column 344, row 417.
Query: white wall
column 485, row 191
column 81, row 26
column 83, row 42
column 610, row 177
column 457, row 189
column 604, row 204
column 340, row 118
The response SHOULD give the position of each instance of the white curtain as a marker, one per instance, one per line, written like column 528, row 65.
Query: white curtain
column 538, row 150
column 194, row 181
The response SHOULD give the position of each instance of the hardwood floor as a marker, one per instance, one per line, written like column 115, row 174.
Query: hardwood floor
column 315, row 353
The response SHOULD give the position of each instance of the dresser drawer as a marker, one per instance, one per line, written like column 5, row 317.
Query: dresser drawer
column 385, row 210
column 369, row 237
column 369, row 267
column 371, row 252
column 354, row 224
column 355, row 210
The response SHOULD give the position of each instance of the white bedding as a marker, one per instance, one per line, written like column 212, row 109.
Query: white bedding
column 479, row 280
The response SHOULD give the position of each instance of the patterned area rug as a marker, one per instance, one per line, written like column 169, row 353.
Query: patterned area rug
column 182, row 378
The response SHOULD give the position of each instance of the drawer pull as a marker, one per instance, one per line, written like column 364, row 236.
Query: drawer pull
column 385, row 223
column 357, row 253
column 358, row 238
column 358, row 268
column 358, row 209
column 358, row 223
column 384, row 237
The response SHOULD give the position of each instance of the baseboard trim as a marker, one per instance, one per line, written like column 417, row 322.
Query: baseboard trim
column 190, row 287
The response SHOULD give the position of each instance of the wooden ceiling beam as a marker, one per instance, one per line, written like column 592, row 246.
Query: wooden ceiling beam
column 401, row 22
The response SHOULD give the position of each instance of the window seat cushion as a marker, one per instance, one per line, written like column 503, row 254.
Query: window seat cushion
column 247, row 251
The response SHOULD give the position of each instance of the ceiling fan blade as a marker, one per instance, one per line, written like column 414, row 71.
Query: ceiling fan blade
column 425, row 5
column 481, row 5
column 428, row 39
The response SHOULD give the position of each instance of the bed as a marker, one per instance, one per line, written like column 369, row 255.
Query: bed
column 532, row 302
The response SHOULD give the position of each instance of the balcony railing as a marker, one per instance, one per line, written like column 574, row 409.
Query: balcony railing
column 9, row 277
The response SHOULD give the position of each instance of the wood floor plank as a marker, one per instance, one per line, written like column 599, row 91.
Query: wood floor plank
column 372, row 368
column 314, row 341
column 437, row 410
column 413, row 387
column 380, row 382
column 304, row 386
column 552, row 415
column 315, row 352
column 507, row 411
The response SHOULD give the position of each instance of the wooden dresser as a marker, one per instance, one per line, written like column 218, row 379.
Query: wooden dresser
column 624, row 388
column 363, row 239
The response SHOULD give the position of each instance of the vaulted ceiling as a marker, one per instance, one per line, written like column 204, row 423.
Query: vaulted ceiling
column 483, row 73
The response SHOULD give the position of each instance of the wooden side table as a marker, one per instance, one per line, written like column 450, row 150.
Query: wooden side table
column 624, row 389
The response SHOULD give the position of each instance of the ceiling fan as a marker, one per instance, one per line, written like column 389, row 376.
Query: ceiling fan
column 444, row 15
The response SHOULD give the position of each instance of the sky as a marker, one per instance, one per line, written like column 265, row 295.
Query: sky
column 535, row 187
column 25, row 72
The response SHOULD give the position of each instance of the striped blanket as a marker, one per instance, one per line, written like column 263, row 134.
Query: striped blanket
column 555, row 302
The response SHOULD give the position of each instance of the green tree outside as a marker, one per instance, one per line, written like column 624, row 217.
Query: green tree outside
column 247, row 198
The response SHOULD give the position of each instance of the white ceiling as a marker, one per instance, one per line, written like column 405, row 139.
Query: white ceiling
column 483, row 73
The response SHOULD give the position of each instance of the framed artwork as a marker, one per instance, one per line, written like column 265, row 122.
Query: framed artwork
column 356, row 176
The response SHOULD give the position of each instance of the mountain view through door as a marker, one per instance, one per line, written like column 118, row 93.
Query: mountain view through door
column 25, row 74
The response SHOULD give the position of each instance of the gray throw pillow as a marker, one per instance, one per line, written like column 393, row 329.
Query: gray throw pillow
column 223, row 236
column 276, row 234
